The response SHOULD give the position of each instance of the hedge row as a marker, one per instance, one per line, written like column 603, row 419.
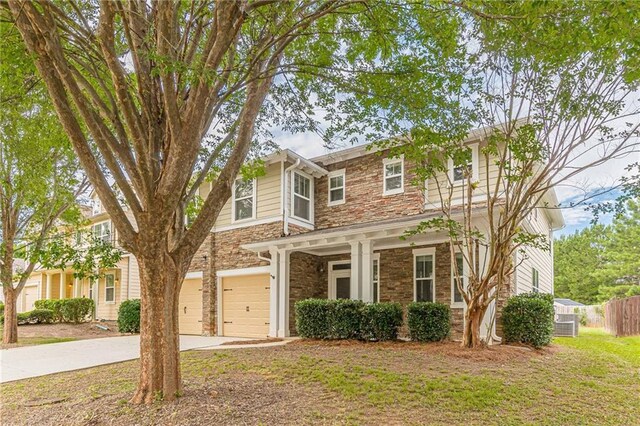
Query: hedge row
column 37, row 316
column 353, row 319
column 528, row 318
column 68, row 310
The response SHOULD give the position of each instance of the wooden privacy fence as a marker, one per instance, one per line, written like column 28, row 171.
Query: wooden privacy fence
column 593, row 313
column 622, row 316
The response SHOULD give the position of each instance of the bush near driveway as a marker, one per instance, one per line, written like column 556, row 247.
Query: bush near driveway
column 528, row 318
column 129, row 316
column 312, row 318
column 345, row 318
column 74, row 310
column 381, row 321
column 428, row 321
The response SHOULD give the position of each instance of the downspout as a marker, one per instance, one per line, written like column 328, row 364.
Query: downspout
column 285, row 190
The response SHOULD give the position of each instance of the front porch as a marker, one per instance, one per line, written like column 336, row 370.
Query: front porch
column 366, row 262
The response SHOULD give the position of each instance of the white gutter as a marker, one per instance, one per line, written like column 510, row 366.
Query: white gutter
column 285, row 192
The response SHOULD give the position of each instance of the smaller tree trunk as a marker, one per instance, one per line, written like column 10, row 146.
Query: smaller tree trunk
column 159, row 379
column 10, row 327
column 472, row 320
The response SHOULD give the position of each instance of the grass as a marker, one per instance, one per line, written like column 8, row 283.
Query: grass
column 596, row 340
column 45, row 340
column 318, row 383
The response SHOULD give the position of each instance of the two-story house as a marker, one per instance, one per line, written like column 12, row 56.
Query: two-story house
column 329, row 227
column 325, row 227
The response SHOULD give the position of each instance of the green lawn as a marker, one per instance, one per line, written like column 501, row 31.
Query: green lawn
column 590, row 380
column 598, row 341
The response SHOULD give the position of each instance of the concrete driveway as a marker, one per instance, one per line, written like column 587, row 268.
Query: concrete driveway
column 33, row 361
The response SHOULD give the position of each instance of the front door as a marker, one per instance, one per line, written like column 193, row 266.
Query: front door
column 340, row 281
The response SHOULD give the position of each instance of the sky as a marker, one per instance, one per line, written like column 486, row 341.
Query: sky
column 591, row 181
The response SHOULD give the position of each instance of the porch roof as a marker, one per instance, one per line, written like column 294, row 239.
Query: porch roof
column 389, row 228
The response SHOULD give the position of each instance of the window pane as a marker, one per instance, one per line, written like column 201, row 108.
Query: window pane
column 244, row 209
column 336, row 182
column 301, row 207
column 423, row 291
column 458, row 173
column 244, row 188
column 110, row 295
column 424, row 266
column 343, row 288
column 337, row 194
column 375, row 269
column 341, row 266
column 301, row 185
column 394, row 183
column 457, row 296
column 393, row 169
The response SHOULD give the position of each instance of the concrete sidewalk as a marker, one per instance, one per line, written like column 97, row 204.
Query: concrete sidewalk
column 33, row 361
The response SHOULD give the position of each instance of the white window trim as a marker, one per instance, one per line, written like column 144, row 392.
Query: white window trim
column 424, row 252
column 465, row 275
column 475, row 164
column 96, row 207
column 293, row 194
column 111, row 233
column 376, row 257
column 535, row 279
column 253, row 202
column 389, row 161
column 333, row 174
column 331, row 274
column 110, row 302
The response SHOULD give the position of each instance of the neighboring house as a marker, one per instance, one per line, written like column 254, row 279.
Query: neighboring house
column 326, row 227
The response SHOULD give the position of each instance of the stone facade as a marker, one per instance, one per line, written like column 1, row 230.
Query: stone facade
column 226, row 253
column 363, row 191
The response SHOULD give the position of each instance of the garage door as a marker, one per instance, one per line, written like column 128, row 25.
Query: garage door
column 245, row 306
column 190, row 309
column 30, row 297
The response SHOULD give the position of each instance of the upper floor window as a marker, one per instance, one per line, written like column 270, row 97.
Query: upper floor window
column 535, row 280
column 302, row 196
column 458, row 173
column 336, row 187
column 456, row 295
column 244, row 200
column 102, row 231
column 424, row 275
column 393, row 176
column 97, row 206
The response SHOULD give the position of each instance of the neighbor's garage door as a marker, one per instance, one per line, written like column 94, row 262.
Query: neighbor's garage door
column 190, row 309
column 245, row 306
column 30, row 296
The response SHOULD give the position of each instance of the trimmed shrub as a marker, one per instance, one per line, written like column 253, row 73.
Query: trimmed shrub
column 380, row 321
column 129, row 316
column 528, row 318
column 312, row 318
column 40, row 316
column 53, row 305
column 345, row 319
column 74, row 310
column 428, row 322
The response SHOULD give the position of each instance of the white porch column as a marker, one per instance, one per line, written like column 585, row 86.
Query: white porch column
column 63, row 284
column 367, row 271
column 356, row 270
column 273, row 292
column 283, row 293
column 47, row 281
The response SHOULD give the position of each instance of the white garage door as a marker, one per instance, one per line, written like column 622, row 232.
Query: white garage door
column 29, row 297
column 190, row 309
column 245, row 306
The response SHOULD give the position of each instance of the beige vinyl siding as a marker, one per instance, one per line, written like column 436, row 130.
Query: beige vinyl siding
column 433, row 195
column 536, row 258
column 268, row 189
column 134, row 283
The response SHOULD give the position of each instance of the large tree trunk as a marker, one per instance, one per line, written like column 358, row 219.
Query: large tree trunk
column 473, row 316
column 10, row 327
column 160, row 282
